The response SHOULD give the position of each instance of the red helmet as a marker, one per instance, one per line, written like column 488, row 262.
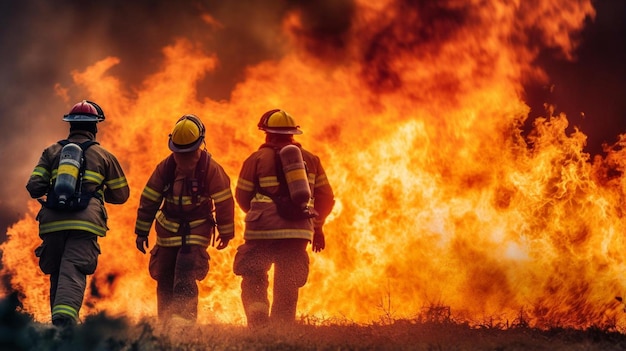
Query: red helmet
column 85, row 111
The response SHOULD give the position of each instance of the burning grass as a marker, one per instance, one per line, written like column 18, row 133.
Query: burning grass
column 430, row 331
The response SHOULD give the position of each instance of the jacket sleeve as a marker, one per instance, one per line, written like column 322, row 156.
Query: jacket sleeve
column 116, row 190
column 150, row 201
column 323, row 195
column 220, row 192
column 39, row 181
column 245, row 190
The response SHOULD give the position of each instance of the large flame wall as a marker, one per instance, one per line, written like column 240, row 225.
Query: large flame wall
column 441, row 197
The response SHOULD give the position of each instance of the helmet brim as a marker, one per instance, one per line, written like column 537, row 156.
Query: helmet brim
column 82, row 118
column 185, row 148
column 283, row 131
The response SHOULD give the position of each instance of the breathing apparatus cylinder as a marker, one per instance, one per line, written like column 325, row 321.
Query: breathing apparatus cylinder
column 67, row 174
column 295, row 174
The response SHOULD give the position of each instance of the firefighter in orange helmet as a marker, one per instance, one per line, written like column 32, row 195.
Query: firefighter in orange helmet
column 70, row 229
column 274, row 238
column 181, row 194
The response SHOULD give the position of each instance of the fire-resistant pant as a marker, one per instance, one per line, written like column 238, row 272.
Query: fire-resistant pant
column 252, row 262
column 176, row 270
column 68, row 257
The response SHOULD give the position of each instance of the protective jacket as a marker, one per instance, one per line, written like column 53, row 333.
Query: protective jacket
column 103, row 173
column 182, row 216
column 262, row 219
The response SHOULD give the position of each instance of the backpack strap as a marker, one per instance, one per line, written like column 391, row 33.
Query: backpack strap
column 83, row 167
column 170, row 174
column 202, row 168
column 283, row 190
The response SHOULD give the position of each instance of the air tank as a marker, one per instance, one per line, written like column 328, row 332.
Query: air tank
column 67, row 174
column 295, row 174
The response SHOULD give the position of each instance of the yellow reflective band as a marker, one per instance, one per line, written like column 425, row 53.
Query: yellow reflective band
column 66, row 310
column 226, row 228
column 93, row 176
column 222, row 195
column 68, row 169
column 117, row 183
column 321, row 181
column 41, row 172
column 268, row 181
column 192, row 239
column 278, row 234
column 143, row 225
column 151, row 194
column 72, row 225
column 245, row 185
column 294, row 175
column 261, row 198
column 185, row 200
column 173, row 226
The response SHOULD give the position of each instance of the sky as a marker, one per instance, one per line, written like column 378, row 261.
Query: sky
column 42, row 42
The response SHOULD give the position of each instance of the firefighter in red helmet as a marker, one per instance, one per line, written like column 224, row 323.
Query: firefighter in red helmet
column 181, row 195
column 277, row 227
column 70, row 225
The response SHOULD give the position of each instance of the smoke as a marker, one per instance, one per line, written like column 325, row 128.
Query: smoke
column 44, row 42
column 48, row 41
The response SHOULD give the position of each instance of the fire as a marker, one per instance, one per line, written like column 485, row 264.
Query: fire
column 440, row 198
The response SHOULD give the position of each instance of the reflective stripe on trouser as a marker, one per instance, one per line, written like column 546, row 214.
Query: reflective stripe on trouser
column 68, row 256
column 191, row 239
column 291, row 268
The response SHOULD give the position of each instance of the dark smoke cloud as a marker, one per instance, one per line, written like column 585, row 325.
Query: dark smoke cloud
column 44, row 41
column 590, row 90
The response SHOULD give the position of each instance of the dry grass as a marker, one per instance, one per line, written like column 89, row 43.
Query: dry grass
column 100, row 332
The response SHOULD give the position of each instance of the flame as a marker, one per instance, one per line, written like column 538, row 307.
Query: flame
column 440, row 197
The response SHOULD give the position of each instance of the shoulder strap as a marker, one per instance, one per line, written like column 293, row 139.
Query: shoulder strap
column 202, row 168
column 84, row 145
column 87, row 144
column 170, row 173
column 280, row 176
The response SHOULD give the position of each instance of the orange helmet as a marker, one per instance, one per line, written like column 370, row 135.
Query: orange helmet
column 188, row 134
column 278, row 122
column 85, row 111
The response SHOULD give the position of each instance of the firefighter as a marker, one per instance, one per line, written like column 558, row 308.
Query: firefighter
column 181, row 194
column 270, row 239
column 69, row 250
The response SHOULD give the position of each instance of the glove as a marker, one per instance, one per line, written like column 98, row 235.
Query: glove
column 319, row 242
column 222, row 242
column 142, row 243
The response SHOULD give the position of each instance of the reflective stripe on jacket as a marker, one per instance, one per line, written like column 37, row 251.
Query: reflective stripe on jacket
column 172, row 207
column 262, row 219
column 102, row 170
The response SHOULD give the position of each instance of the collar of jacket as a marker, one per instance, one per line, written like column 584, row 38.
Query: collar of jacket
column 78, row 133
column 279, row 145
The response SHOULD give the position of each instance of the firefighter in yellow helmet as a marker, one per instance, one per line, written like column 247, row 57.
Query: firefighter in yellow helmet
column 76, row 176
column 279, row 224
column 181, row 194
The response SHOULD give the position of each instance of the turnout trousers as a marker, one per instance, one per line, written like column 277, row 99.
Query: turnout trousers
column 252, row 262
column 176, row 270
column 68, row 257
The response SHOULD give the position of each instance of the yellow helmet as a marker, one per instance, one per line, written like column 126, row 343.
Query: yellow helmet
column 188, row 134
column 278, row 122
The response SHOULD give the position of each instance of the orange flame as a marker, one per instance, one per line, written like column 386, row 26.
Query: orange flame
column 440, row 200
